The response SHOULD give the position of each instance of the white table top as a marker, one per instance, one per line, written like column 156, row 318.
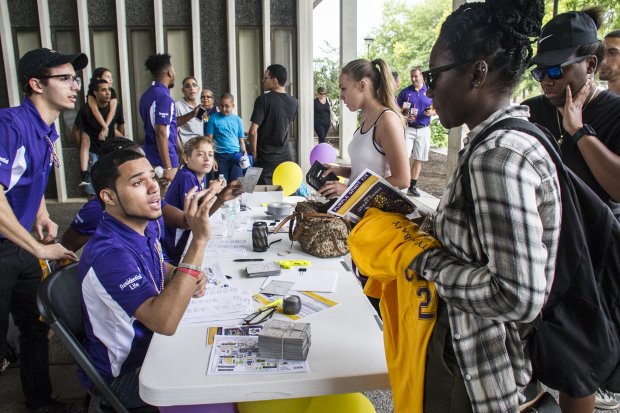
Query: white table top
column 346, row 354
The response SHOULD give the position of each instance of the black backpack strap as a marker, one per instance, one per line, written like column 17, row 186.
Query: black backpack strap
column 508, row 123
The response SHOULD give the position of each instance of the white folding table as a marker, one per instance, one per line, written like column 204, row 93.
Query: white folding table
column 346, row 354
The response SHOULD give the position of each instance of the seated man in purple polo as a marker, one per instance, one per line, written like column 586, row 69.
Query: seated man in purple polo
column 128, row 291
column 89, row 216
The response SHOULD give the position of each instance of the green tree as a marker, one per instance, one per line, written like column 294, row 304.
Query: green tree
column 407, row 33
column 326, row 71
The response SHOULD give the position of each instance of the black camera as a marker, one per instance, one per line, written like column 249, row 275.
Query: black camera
column 315, row 178
column 200, row 113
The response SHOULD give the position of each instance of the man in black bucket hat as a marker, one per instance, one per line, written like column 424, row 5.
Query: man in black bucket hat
column 27, row 155
column 584, row 120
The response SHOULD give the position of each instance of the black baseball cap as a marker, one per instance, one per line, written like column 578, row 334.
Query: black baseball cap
column 562, row 35
column 34, row 61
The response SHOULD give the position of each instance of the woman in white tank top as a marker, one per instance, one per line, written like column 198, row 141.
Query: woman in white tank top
column 379, row 143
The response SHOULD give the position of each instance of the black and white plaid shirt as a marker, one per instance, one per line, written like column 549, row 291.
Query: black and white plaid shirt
column 517, row 200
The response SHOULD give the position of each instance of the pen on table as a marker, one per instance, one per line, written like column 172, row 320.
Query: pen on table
column 248, row 259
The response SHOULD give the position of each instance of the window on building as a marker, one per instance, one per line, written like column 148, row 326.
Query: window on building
column 179, row 46
column 142, row 45
column 67, row 41
column 249, row 72
column 283, row 52
column 104, row 53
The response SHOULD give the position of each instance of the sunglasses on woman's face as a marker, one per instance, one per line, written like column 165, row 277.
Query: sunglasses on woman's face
column 554, row 72
column 430, row 76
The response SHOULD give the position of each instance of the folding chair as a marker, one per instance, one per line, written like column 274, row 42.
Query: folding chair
column 59, row 304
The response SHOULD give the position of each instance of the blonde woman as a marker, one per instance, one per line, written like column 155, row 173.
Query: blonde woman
column 379, row 143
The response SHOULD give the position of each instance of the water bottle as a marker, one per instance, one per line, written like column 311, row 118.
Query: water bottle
column 225, row 211
column 235, row 205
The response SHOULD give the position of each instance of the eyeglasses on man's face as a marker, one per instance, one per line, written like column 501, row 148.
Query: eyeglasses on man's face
column 554, row 72
column 66, row 78
column 205, row 97
column 430, row 76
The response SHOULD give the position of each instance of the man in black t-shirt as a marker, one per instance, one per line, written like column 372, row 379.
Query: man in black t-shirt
column 585, row 122
column 86, row 123
column 271, row 120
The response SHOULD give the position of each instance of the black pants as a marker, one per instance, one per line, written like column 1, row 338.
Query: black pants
column 444, row 387
column 20, row 277
column 321, row 130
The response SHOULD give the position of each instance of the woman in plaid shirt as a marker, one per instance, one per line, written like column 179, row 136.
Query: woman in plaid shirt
column 493, row 273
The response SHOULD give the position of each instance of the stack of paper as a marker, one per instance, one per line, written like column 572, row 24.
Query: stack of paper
column 263, row 270
column 284, row 340
column 219, row 304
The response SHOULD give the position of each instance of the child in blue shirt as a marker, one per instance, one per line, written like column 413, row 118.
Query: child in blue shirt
column 226, row 129
column 197, row 171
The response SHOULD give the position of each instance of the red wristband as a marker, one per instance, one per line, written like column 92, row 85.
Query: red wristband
column 189, row 271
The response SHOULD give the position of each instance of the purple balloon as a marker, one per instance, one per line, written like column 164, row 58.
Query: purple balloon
column 324, row 153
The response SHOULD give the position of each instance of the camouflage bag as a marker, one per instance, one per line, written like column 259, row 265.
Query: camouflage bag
column 320, row 234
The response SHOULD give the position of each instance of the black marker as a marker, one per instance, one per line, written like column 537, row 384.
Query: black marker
column 248, row 259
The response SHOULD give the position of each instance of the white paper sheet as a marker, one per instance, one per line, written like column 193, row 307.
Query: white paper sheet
column 311, row 280
column 218, row 304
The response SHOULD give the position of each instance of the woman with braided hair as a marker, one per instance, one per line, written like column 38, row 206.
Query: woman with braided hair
column 496, row 262
column 495, row 270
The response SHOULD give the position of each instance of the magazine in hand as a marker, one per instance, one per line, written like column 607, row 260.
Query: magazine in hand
column 370, row 190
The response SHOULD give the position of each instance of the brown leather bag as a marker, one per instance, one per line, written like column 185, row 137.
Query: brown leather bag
column 320, row 234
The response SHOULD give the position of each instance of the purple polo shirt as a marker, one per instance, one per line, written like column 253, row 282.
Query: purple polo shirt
column 25, row 159
column 88, row 217
column 119, row 270
column 421, row 102
column 175, row 239
column 157, row 108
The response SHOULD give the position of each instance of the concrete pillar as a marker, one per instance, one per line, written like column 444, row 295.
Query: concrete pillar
column 8, row 55
column 231, row 27
column 306, row 111
column 455, row 135
column 348, row 52
column 123, row 65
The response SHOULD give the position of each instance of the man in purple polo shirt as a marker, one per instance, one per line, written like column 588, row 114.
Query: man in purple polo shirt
column 417, row 107
column 128, row 290
column 158, row 113
column 27, row 134
column 90, row 215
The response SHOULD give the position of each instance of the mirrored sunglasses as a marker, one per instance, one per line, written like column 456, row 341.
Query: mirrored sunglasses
column 554, row 72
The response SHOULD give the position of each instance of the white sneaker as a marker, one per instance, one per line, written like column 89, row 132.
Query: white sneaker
column 605, row 400
column 4, row 364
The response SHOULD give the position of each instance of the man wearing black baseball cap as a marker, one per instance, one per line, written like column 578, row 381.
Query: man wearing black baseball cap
column 584, row 120
column 27, row 153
